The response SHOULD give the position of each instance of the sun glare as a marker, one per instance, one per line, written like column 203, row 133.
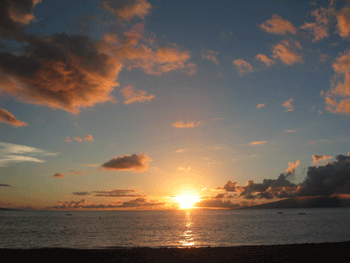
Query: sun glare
column 186, row 201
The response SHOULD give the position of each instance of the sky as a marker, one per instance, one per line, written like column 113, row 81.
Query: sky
column 108, row 104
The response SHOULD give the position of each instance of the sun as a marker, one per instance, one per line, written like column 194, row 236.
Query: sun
column 186, row 201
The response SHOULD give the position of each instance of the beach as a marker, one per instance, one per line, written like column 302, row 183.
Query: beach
column 262, row 253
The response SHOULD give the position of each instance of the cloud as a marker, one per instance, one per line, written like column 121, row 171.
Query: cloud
column 71, row 72
column 14, row 153
column 343, row 22
column 290, row 131
column 327, row 180
column 278, row 25
column 317, row 158
column 7, row 117
column 5, row 185
column 181, row 124
column 211, row 56
column 89, row 138
column 243, row 66
column 78, row 139
column 180, row 151
column 75, row 172
column 132, row 96
column 137, row 8
column 67, row 139
column 288, row 105
column 265, row 59
column 116, row 193
column 260, row 105
column 287, row 52
column 135, row 162
column 58, row 175
column 258, row 142
column 338, row 97
column 14, row 15
column 82, row 204
column 291, row 167
column 320, row 28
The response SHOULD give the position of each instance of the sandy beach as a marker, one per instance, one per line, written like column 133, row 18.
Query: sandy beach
column 270, row 253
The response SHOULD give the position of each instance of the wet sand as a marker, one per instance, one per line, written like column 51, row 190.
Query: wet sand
column 271, row 253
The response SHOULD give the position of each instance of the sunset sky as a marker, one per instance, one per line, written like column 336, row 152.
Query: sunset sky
column 127, row 104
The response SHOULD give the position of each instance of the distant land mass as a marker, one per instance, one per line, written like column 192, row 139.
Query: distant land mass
column 304, row 202
column 1, row 208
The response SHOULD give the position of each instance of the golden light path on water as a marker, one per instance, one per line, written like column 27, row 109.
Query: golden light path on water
column 187, row 237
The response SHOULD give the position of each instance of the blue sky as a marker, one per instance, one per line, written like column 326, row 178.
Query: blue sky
column 162, row 98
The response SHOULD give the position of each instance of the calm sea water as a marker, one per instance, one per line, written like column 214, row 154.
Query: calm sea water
column 32, row 229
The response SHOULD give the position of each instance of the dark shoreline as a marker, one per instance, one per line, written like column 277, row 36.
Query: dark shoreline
column 263, row 253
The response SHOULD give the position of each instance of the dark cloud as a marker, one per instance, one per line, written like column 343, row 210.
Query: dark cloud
column 58, row 175
column 82, row 204
column 116, row 193
column 14, row 15
column 81, row 193
column 61, row 71
column 135, row 162
column 5, row 185
column 330, row 179
column 7, row 117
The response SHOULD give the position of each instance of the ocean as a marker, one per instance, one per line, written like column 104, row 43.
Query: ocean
column 181, row 228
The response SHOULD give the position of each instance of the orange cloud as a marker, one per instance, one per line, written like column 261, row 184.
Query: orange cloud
column 135, row 162
column 317, row 158
column 292, row 166
column 319, row 28
column 67, row 139
column 138, row 8
column 89, row 137
column 343, row 22
column 181, row 124
column 265, row 59
column 243, row 66
column 279, row 26
column 258, row 142
column 338, row 97
column 9, row 118
column 289, row 130
column 132, row 96
column 78, row 139
column 286, row 51
column 260, row 105
column 288, row 105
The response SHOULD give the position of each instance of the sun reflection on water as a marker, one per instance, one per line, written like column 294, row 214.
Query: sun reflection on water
column 187, row 237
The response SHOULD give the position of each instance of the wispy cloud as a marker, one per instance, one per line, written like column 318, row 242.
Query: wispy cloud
column 320, row 27
column 288, row 105
column 132, row 96
column 181, row 124
column 58, row 175
column 9, row 118
column 137, row 8
column 260, row 105
column 211, row 56
column 265, row 59
column 258, row 142
column 14, row 153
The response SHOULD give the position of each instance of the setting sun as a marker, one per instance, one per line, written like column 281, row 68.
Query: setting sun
column 186, row 201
